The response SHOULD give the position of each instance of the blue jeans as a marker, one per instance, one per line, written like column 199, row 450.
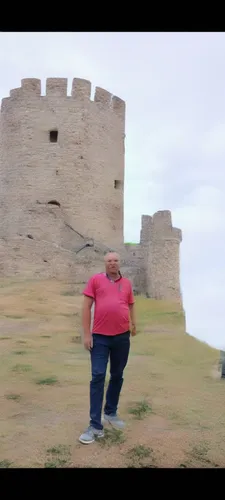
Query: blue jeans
column 117, row 349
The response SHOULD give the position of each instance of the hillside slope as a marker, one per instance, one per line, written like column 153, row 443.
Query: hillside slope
column 172, row 399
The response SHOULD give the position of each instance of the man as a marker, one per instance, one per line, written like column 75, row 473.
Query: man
column 113, row 299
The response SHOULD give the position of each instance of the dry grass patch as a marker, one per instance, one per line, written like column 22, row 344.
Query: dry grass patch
column 47, row 380
column 20, row 368
column 112, row 437
column 141, row 456
column 58, row 457
column 5, row 464
column 140, row 410
column 13, row 397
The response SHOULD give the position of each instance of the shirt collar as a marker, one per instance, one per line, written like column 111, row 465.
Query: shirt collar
column 120, row 276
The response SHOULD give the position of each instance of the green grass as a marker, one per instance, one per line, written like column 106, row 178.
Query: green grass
column 139, row 452
column 59, row 456
column 19, row 353
column 112, row 437
column 47, row 380
column 59, row 449
column 198, row 457
column 137, row 456
column 56, row 463
column 13, row 397
column 20, row 368
column 140, row 410
column 5, row 464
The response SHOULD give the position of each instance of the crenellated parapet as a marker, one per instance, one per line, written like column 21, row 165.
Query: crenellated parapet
column 161, row 243
column 58, row 88
column 64, row 144
column 162, row 226
column 81, row 89
column 158, row 227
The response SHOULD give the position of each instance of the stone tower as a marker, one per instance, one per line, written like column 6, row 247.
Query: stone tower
column 62, row 191
column 161, row 242
column 66, row 151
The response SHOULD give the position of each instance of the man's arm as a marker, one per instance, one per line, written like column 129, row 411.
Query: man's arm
column 89, row 297
column 86, row 320
column 132, row 310
column 86, row 316
column 132, row 318
column 132, row 314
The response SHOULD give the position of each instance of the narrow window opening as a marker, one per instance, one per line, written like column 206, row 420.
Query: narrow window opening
column 53, row 135
column 54, row 202
column 118, row 184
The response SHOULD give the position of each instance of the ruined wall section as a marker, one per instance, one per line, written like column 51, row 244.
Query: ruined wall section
column 83, row 170
column 136, row 258
column 131, row 266
column 164, row 258
column 30, row 259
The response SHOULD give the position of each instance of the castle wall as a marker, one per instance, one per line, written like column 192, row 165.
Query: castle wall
column 57, row 196
column 30, row 259
column 79, row 170
column 152, row 265
column 163, row 264
column 133, row 263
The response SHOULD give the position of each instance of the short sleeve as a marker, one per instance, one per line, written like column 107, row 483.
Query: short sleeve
column 89, row 290
column 131, row 299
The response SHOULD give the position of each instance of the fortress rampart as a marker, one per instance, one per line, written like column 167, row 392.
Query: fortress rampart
column 62, row 161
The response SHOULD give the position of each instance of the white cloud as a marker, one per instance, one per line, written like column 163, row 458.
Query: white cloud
column 213, row 142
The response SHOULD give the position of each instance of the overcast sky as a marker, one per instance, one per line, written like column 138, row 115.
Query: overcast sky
column 174, row 88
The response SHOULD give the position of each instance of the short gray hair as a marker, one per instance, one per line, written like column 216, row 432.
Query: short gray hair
column 111, row 251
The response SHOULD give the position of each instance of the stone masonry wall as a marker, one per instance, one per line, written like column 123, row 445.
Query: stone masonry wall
column 83, row 170
column 163, row 259
column 62, row 202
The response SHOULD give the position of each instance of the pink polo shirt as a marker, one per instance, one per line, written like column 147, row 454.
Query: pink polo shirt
column 112, row 300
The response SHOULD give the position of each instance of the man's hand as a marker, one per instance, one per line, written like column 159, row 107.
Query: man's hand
column 133, row 330
column 88, row 341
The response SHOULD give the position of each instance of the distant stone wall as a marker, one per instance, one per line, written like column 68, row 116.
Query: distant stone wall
column 163, row 265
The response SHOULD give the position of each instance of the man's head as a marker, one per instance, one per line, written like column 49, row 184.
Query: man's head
column 112, row 263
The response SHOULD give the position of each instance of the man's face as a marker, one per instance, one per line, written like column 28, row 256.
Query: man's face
column 112, row 263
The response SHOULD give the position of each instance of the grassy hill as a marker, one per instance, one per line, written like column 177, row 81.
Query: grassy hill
column 172, row 399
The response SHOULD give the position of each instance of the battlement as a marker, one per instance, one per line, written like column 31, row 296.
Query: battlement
column 162, row 226
column 58, row 87
column 81, row 89
column 162, row 219
column 158, row 227
column 146, row 225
